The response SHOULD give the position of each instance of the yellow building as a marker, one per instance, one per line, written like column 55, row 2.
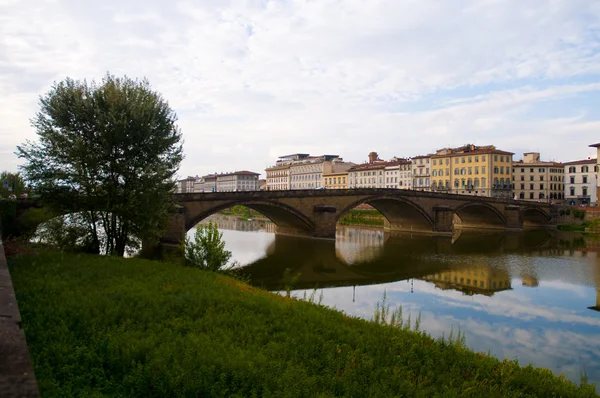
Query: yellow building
column 337, row 180
column 472, row 170
column 480, row 279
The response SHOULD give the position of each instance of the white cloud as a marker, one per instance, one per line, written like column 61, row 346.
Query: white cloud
column 252, row 80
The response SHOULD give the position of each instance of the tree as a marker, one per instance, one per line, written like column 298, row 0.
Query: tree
column 108, row 151
column 16, row 184
column 207, row 250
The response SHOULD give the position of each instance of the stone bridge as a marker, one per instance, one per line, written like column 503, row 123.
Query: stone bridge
column 316, row 212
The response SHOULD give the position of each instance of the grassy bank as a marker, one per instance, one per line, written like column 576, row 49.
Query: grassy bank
column 362, row 217
column 242, row 211
column 129, row 327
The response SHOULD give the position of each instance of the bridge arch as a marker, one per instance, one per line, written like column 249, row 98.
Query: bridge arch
column 401, row 213
column 479, row 214
column 287, row 218
column 534, row 216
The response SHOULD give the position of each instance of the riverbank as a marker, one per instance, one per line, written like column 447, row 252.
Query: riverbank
column 131, row 327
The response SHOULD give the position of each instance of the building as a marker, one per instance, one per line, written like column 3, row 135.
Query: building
column 421, row 178
column 534, row 179
column 237, row 181
column 581, row 186
column 337, row 180
column 398, row 174
column 472, row 170
column 302, row 171
column 210, row 183
column 262, row 184
column 186, row 185
column 597, row 146
column 368, row 175
column 478, row 279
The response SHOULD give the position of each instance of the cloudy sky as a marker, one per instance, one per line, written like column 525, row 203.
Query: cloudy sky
column 252, row 80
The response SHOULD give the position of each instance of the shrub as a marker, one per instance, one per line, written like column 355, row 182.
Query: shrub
column 207, row 250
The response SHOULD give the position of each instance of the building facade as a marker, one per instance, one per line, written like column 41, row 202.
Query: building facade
column 398, row 174
column 210, row 183
column 368, row 175
column 421, row 175
column 581, row 182
column 302, row 171
column 472, row 170
column 479, row 279
column 337, row 180
column 537, row 180
column 186, row 185
column 237, row 181
column 597, row 146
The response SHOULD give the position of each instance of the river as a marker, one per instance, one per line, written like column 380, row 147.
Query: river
column 532, row 296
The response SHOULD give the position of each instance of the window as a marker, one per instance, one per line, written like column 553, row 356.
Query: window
column 470, row 171
column 572, row 190
column 584, row 169
column 522, row 170
column 483, row 159
column 502, row 158
column 522, row 187
column 522, row 195
column 455, row 160
column 572, row 179
column 470, row 159
column 542, row 186
column 495, row 158
column 483, row 182
column 462, row 160
column 434, row 162
column 530, row 195
column 585, row 180
column 482, row 169
column 541, row 178
column 531, row 186
column 476, row 158
column 530, row 178
column 522, row 178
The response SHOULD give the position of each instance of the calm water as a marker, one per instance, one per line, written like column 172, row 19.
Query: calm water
column 532, row 296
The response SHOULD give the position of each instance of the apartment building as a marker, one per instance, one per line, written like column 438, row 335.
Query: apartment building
column 534, row 179
column 337, row 180
column 186, row 185
column 210, row 183
column 398, row 173
column 368, row 175
column 581, row 182
column 478, row 279
column 597, row 146
column 237, row 181
column 302, row 171
column 421, row 176
column 472, row 170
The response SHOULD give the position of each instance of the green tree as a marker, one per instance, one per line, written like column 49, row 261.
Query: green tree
column 207, row 250
column 109, row 152
column 16, row 184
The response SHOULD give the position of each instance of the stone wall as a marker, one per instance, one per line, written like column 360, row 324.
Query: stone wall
column 16, row 370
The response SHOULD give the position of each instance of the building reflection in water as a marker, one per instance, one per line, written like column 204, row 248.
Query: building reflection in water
column 471, row 280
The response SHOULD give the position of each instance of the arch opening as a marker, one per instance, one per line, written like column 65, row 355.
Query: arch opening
column 286, row 219
column 399, row 214
column 478, row 215
column 533, row 217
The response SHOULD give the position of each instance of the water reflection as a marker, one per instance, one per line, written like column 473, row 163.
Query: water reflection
column 533, row 296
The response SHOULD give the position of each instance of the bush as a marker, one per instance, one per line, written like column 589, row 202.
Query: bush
column 207, row 250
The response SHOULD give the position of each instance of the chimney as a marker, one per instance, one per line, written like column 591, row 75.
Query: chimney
column 373, row 157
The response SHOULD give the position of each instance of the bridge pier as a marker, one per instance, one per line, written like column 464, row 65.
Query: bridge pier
column 513, row 216
column 325, row 220
column 443, row 221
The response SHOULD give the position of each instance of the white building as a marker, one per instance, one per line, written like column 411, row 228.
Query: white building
column 186, row 185
column 421, row 172
column 581, row 182
column 237, row 181
column 302, row 171
column 597, row 146
column 368, row 175
column 210, row 183
column 398, row 174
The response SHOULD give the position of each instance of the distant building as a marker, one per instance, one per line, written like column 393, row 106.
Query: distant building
column 262, row 184
column 421, row 174
column 472, row 170
column 210, row 183
column 186, row 185
column 368, row 175
column 338, row 180
column 237, row 181
column 581, row 182
column 302, row 171
column 398, row 174
column 534, row 179
column 597, row 146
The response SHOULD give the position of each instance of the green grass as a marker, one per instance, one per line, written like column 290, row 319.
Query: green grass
column 104, row 326
column 362, row 217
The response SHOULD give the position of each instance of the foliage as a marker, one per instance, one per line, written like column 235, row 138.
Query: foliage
column 289, row 281
column 66, row 233
column 243, row 211
column 108, row 326
column 8, row 218
column 16, row 184
column 207, row 250
column 362, row 217
column 108, row 151
column 579, row 214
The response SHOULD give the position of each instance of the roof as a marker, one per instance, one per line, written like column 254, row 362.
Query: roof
column 473, row 150
column 335, row 173
column 595, row 145
column 583, row 161
column 378, row 165
column 423, row 156
column 521, row 163
column 242, row 172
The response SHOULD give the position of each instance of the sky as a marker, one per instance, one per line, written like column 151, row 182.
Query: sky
column 253, row 80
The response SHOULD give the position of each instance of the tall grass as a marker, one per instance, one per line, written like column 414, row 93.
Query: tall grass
column 106, row 326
